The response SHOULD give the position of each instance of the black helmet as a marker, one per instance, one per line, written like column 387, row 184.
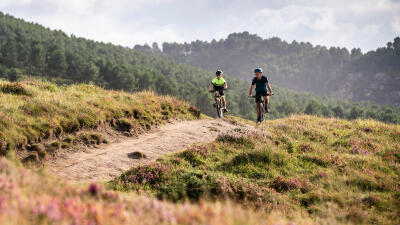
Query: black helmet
column 219, row 72
column 258, row 70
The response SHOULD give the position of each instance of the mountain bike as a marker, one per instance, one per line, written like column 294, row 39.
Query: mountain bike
column 219, row 106
column 261, row 107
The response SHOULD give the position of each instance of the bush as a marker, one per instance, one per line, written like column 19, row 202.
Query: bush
column 39, row 149
column 92, row 138
column 14, row 88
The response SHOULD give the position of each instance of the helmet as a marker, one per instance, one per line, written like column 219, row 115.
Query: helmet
column 219, row 72
column 258, row 70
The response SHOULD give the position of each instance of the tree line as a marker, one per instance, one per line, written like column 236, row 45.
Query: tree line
column 335, row 72
column 33, row 50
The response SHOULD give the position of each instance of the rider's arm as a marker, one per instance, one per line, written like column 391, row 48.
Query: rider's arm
column 225, row 86
column 251, row 89
column 269, row 88
column 210, row 87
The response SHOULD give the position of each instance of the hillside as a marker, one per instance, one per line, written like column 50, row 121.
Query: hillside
column 336, row 72
column 28, row 49
column 301, row 169
column 35, row 198
column 39, row 118
column 333, row 171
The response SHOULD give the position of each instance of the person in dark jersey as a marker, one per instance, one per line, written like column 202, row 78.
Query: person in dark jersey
column 260, row 83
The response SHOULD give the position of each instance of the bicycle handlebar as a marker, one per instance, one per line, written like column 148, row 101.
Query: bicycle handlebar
column 215, row 90
column 254, row 96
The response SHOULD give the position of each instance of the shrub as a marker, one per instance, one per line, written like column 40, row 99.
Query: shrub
column 14, row 88
column 31, row 158
column 289, row 184
column 55, row 145
column 92, row 138
column 124, row 125
column 4, row 147
column 39, row 149
column 147, row 174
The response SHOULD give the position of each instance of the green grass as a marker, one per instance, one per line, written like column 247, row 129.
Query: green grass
column 331, row 170
column 29, row 197
column 33, row 111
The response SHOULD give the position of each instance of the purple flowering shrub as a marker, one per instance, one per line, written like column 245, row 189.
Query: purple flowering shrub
column 288, row 184
column 242, row 136
column 30, row 198
column 148, row 174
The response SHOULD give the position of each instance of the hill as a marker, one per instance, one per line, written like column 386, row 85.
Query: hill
column 333, row 171
column 29, row 197
column 336, row 72
column 304, row 169
column 28, row 49
column 39, row 118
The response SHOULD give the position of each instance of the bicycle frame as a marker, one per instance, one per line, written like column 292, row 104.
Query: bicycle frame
column 219, row 107
column 261, row 107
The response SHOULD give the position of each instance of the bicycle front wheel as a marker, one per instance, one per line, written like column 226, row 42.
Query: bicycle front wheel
column 219, row 108
column 262, row 112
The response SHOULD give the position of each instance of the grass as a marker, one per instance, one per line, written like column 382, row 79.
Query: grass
column 32, row 112
column 329, row 170
column 28, row 197
column 301, row 169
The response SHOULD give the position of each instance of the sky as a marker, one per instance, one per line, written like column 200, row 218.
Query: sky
column 365, row 24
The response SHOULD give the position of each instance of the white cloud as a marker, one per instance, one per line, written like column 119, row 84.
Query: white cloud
column 351, row 23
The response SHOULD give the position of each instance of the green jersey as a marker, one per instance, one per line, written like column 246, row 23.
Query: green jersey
column 218, row 82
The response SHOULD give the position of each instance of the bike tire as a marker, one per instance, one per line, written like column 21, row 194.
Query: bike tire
column 262, row 112
column 219, row 109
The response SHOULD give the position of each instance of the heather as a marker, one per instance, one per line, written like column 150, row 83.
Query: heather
column 28, row 197
column 33, row 112
column 332, row 170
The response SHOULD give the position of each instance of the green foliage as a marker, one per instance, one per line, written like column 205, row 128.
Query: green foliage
column 32, row 111
column 331, row 169
column 52, row 55
column 333, row 71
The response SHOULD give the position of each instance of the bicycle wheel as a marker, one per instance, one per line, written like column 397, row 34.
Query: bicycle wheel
column 262, row 112
column 219, row 109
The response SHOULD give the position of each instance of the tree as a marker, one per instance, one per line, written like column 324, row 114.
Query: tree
column 313, row 108
column 356, row 53
column 10, row 53
column 396, row 46
column 338, row 111
column 13, row 75
column 356, row 112
column 37, row 59
column 56, row 64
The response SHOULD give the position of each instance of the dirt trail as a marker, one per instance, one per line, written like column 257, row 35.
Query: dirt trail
column 111, row 160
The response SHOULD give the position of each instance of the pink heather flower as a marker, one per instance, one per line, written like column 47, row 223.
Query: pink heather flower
column 134, row 178
column 94, row 188
column 53, row 211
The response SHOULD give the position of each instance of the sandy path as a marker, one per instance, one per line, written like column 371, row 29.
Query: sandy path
column 111, row 160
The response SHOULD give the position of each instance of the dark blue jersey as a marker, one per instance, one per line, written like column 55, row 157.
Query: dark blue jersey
column 261, row 85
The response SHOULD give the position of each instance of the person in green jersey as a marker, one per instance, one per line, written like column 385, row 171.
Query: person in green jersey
column 218, row 84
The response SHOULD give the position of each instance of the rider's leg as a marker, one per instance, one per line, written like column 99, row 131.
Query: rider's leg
column 215, row 96
column 258, row 111
column 223, row 101
column 266, row 99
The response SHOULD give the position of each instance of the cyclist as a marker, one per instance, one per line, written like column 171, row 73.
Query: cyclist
column 218, row 84
column 261, row 84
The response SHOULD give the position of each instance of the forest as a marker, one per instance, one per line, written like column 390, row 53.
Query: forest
column 31, row 50
column 336, row 72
